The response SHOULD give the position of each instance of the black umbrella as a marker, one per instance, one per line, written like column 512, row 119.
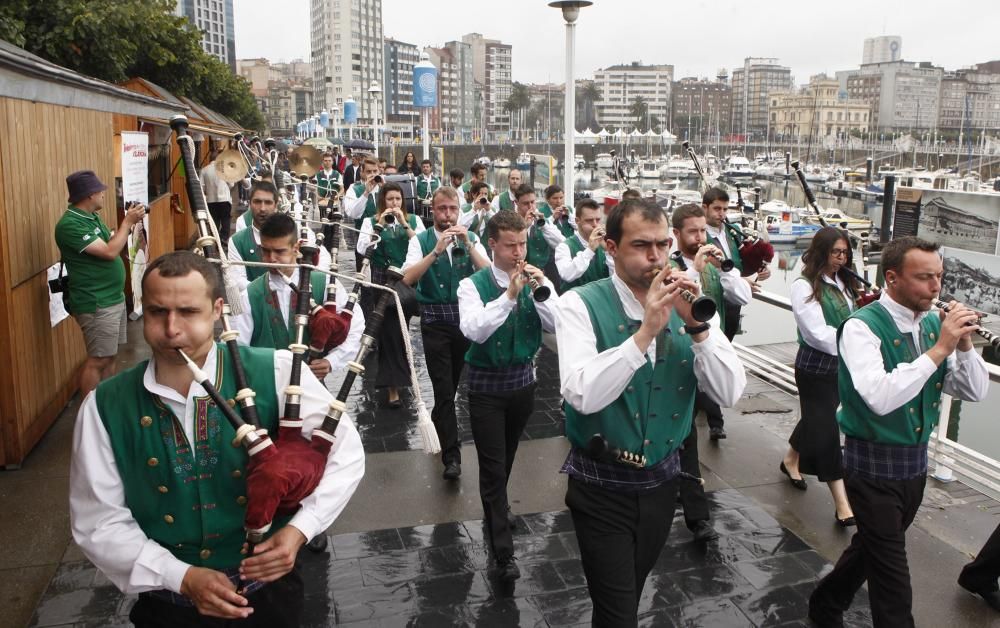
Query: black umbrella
column 360, row 145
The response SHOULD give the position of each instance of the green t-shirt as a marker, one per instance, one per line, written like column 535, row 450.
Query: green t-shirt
column 94, row 283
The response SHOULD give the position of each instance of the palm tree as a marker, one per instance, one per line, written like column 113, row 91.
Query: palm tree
column 638, row 110
column 518, row 101
column 588, row 95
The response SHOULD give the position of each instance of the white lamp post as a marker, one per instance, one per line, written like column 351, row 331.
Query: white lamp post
column 570, row 11
column 373, row 91
column 333, row 120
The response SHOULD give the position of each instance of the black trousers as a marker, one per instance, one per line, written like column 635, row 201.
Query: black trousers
column 713, row 412
column 692, row 494
column 222, row 215
column 981, row 574
column 277, row 605
column 732, row 326
column 884, row 509
column 497, row 420
column 620, row 536
column 444, row 353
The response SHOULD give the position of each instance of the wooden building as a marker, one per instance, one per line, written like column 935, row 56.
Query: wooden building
column 53, row 122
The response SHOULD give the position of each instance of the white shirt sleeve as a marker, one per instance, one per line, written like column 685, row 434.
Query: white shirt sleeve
column 572, row 268
column 101, row 522
column 735, row 289
column 883, row 392
column 810, row 321
column 420, row 228
column 347, row 350
column 237, row 272
column 476, row 320
column 547, row 309
column 413, row 254
column 243, row 323
column 553, row 237
column 365, row 237
column 354, row 205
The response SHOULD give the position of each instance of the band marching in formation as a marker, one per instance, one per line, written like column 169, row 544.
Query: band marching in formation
column 643, row 307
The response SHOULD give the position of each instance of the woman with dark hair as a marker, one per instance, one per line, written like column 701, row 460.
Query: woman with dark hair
column 398, row 227
column 822, row 298
column 410, row 164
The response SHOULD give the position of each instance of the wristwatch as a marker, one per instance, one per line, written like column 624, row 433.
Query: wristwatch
column 696, row 330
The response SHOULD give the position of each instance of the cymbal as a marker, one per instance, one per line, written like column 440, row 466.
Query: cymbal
column 231, row 166
column 305, row 160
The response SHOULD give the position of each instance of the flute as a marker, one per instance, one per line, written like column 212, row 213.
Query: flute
column 985, row 334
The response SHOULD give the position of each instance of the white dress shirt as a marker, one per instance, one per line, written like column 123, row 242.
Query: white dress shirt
column 572, row 268
column 216, row 190
column 238, row 272
column 808, row 313
column 354, row 205
column 478, row 321
column 590, row 381
column 414, row 253
column 720, row 235
column 341, row 355
column 967, row 377
column 735, row 289
column 103, row 525
column 467, row 217
column 368, row 228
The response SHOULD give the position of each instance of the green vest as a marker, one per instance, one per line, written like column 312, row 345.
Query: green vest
column 188, row 497
column 563, row 225
column 516, row 341
column 835, row 307
column 426, row 189
column 538, row 253
column 391, row 249
column 506, row 202
column 711, row 286
column 598, row 268
column 327, row 186
column 370, row 209
column 440, row 283
column 247, row 219
column 249, row 251
column 734, row 248
column 269, row 330
column 653, row 415
column 911, row 423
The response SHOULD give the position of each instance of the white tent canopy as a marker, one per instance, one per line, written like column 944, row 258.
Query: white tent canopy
column 603, row 133
column 635, row 133
column 667, row 135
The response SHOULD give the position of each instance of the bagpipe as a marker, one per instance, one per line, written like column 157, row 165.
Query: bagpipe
column 282, row 472
column 755, row 251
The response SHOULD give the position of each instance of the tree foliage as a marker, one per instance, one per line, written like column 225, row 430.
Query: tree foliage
column 115, row 40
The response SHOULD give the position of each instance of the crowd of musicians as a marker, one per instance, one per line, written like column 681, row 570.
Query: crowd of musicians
column 158, row 494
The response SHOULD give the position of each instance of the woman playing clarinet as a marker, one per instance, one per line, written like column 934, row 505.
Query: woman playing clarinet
column 395, row 226
column 822, row 298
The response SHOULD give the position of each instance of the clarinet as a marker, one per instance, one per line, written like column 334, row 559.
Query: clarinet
column 986, row 334
column 199, row 207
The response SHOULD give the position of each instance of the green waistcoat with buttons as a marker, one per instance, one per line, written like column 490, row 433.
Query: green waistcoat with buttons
column 391, row 249
column 653, row 414
column 425, row 188
column 911, row 423
column 269, row 328
column 188, row 497
column 327, row 186
column 598, row 268
column 506, row 202
column 249, row 251
column 538, row 252
column 370, row 209
column 519, row 338
column 563, row 225
column 734, row 248
column 711, row 286
column 439, row 285
column 834, row 306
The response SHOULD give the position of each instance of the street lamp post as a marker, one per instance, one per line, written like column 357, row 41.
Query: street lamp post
column 570, row 11
column 373, row 91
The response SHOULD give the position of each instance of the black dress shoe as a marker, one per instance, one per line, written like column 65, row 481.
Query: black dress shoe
column 511, row 521
column 716, row 433
column 797, row 483
column 845, row 523
column 992, row 597
column 452, row 471
column 318, row 544
column 704, row 532
column 507, row 570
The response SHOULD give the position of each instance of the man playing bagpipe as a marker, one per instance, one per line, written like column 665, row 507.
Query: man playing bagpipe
column 158, row 492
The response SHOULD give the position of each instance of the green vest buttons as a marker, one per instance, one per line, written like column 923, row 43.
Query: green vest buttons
column 680, row 389
column 937, row 386
column 675, row 415
column 684, row 362
column 237, row 473
column 621, row 328
column 913, row 410
column 168, row 518
column 241, row 500
column 231, row 402
column 896, row 342
column 205, row 554
column 934, row 405
column 162, row 489
column 931, row 336
column 918, row 430
column 152, row 462
column 637, row 415
column 630, row 388
column 146, row 421
column 647, row 442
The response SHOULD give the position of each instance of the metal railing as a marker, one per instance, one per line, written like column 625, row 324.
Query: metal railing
column 952, row 460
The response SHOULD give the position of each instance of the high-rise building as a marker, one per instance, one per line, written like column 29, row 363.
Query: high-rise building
column 882, row 49
column 621, row 85
column 818, row 110
column 903, row 95
column 700, row 108
column 214, row 18
column 399, row 59
column 455, row 116
column 491, row 63
column 751, row 85
column 346, row 47
column 970, row 99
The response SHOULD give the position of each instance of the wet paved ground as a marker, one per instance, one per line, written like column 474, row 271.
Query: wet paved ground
column 756, row 574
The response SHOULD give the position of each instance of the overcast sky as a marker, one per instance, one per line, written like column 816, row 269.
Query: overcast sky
column 696, row 36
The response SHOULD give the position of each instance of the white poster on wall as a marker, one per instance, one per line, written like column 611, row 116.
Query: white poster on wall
column 135, row 188
column 57, row 308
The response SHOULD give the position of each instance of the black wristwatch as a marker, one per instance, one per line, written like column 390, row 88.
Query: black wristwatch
column 696, row 330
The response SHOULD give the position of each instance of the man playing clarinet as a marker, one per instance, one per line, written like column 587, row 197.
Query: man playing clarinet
column 896, row 359
column 157, row 491
column 500, row 315
column 630, row 358
column 436, row 261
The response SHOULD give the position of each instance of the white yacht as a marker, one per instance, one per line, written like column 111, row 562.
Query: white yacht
column 737, row 167
column 501, row 162
column 604, row 160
